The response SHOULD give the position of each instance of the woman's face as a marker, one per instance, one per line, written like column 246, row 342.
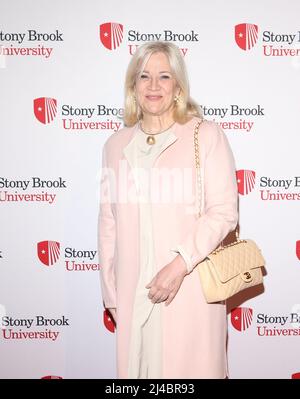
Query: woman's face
column 156, row 87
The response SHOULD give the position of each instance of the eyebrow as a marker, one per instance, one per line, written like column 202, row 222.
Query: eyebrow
column 159, row 72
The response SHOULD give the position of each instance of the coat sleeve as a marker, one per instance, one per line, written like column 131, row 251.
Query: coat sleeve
column 106, row 236
column 220, row 214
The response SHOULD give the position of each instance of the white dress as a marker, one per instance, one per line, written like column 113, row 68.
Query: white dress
column 145, row 345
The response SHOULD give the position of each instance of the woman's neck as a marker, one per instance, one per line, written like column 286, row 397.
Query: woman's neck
column 156, row 124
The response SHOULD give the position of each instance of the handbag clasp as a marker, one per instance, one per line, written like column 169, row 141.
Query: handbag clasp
column 246, row 276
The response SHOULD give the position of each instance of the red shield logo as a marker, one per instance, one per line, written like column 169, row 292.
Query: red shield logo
column 45, row 109
column 48, row 252
column 51, row 377
column 246, row 35
column 241, row 318
column 111, row 35
column 296, row 376
column 108, row 321
column 245, row 181
column 298, row 249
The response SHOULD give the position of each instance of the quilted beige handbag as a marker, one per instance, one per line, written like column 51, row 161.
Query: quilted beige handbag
column 231, row 268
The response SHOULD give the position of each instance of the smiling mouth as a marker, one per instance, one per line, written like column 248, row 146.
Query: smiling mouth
column 153, row 98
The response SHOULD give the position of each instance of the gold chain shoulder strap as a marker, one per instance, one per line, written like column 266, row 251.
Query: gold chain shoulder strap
column 198, row 166
column 199, row 182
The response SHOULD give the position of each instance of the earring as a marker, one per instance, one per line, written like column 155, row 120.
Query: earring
column 176, row 99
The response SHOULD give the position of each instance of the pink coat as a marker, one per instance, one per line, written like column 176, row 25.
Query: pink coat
column 193, row 332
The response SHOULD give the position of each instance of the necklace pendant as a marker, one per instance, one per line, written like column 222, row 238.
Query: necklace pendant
column 150, row 140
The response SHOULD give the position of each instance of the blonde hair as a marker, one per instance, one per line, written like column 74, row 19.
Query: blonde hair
column 185, row 107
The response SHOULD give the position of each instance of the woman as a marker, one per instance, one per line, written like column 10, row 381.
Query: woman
column 150, row 236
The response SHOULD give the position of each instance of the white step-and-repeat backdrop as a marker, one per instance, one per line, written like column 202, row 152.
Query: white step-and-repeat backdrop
column 62, row 67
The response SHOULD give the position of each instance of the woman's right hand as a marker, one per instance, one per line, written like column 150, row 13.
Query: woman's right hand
column 113, row 312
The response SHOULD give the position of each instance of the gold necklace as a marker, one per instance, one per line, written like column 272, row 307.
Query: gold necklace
column 151, row 139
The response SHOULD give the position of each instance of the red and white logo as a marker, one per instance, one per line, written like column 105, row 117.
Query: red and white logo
column 296, row 376
column 246, row 35
column 111, row 35
column 245, row 181
column 241, row 318
column 48, row 252
column 51, row 377
column 298, row 249
column 108, row 321
column 45, row 109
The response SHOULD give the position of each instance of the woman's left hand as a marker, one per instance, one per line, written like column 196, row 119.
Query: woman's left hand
column 166, row 283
